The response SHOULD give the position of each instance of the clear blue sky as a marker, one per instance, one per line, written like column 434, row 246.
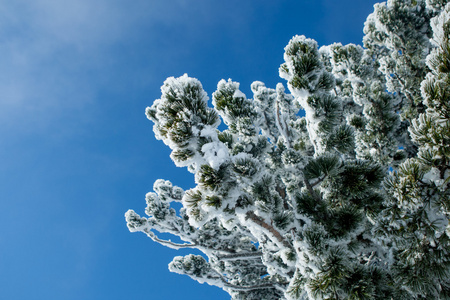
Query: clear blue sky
column 76, row 150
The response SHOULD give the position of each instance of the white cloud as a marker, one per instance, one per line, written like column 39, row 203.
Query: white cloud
column 55, row 55
column 45, row 46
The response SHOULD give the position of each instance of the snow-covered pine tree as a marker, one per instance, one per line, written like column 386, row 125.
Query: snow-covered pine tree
column 348, row 199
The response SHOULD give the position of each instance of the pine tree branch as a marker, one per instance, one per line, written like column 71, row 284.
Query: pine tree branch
column 403, row 85
column 266, row 119
column 281, row 191
column 246, row 287
column 311, row 190
column 193, row 244
column 228, row 251
column 250, row 287
column 283, row 130
column 240, row 255
column 168, row 243
column 318, row 181
column 260, row 221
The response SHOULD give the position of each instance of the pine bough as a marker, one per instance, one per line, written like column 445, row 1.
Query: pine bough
column 336, row 190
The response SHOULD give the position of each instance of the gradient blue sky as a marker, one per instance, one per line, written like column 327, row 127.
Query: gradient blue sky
column 76, row 149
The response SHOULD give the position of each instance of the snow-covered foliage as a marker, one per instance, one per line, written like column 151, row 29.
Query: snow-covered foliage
column 350, row 201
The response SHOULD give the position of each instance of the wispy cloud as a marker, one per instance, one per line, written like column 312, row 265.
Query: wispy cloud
column 45, row 46
column 55, row 54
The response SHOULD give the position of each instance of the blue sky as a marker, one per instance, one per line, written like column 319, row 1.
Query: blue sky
column 76, row 149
